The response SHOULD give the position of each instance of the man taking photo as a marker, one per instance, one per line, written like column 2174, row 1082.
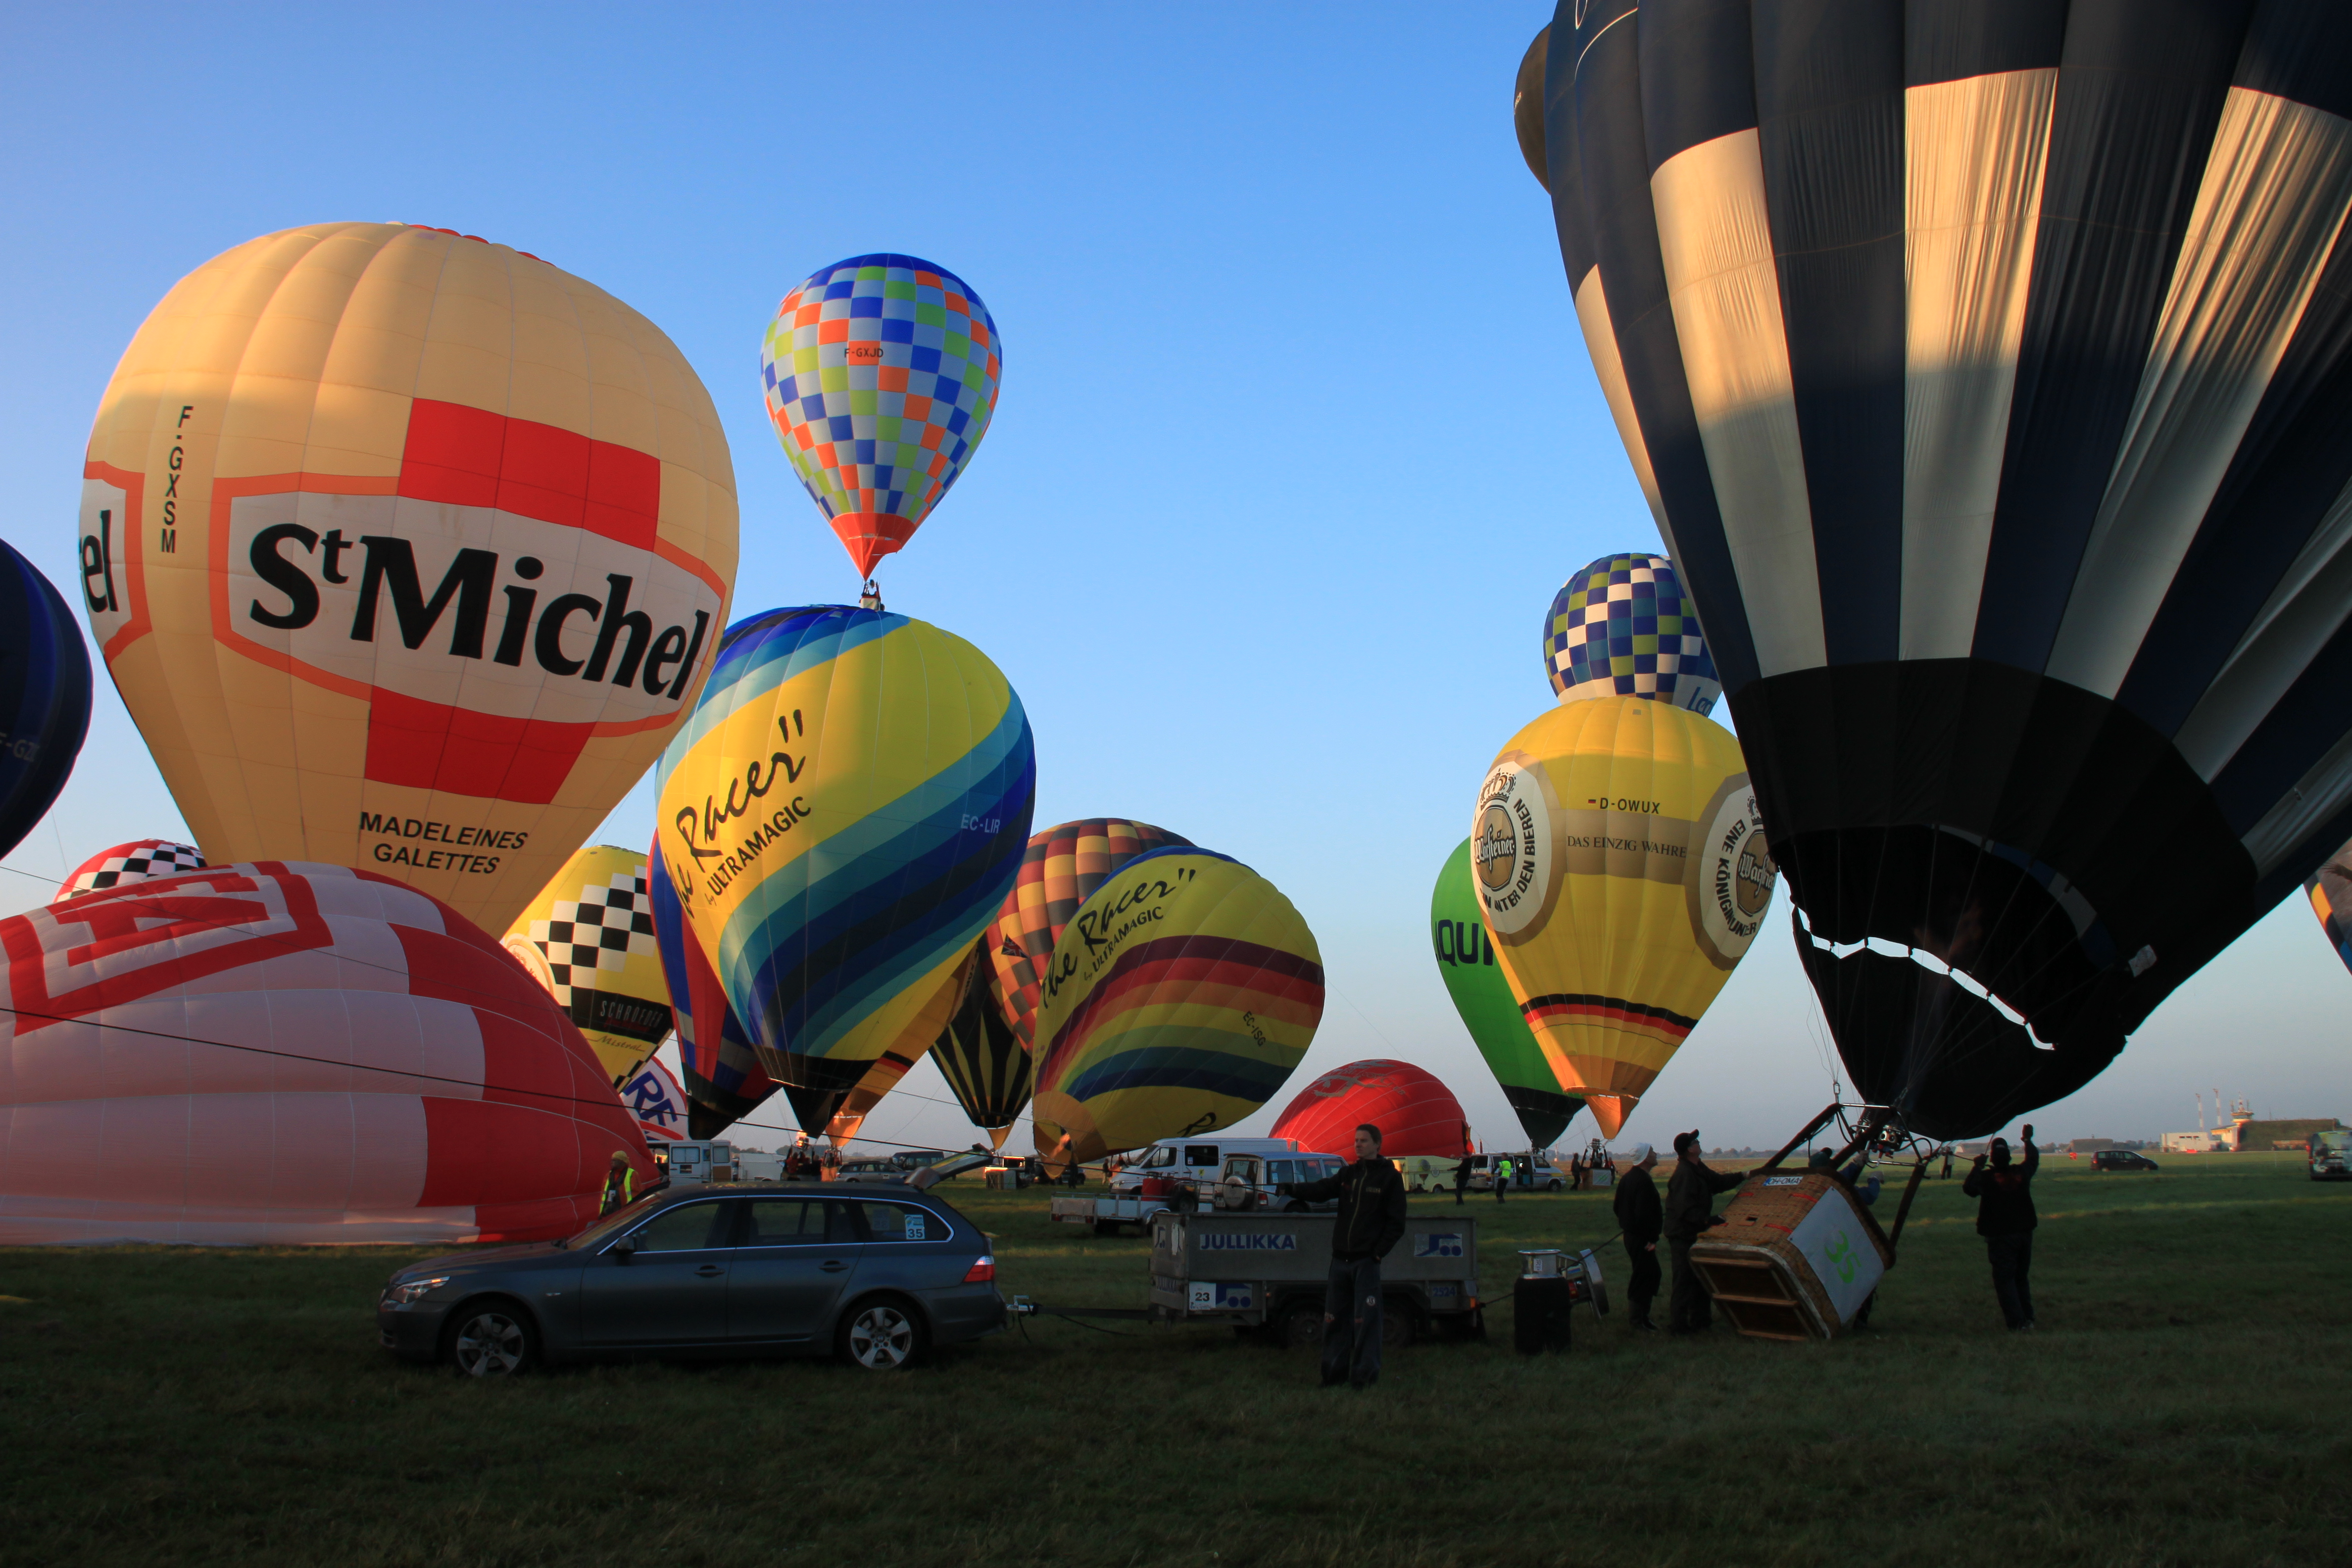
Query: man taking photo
column 1370, row 1221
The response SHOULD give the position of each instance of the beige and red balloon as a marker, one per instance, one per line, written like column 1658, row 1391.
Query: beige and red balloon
column 406, row 550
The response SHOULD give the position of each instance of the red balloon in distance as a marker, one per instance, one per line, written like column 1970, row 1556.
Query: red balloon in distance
column 280, row 1053
column 1415, row 1113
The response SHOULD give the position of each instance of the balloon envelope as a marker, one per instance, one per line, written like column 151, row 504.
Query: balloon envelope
column 406, row 550
column 1060, row 869
column 986, row 1067
column 657, row 1101
column 1415, row 1113
column 127, row 863
column 43, row 696
column 1179, row 997
column 591, row 930
column 1618, row 858
column 1621, row 628
column 2330, row 892
column 281, row 1053
column 840, row 819
column 1482, row 995
column 1989, row 384
column 717, row 1066
column 881, row 375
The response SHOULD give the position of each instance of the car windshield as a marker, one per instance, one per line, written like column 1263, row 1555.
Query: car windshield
column 608, row 1224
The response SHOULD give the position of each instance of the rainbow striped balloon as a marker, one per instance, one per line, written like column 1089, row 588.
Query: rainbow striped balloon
column 1178, row 999
column 840, row 819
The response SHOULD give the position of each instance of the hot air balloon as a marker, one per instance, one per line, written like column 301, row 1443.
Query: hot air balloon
column 1482, row 995
column 43, row 696
column 656, row 1099
column 1989, row 384
column 881, row 375
column 1060, row 869
column 280, row 1053
column 589, row 938
column 1622, row 871
column 127, row 863
column 840, row 819
column 1526, row 106
column 717, row 1066
column 1620, row 627
column 2330, row 892
column 987, row 1067
column 406, row 550
column 1416, row 1115
column 1180, row 995
column 883, row 1075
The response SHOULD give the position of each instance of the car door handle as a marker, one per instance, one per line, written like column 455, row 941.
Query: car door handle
column 833, row 1266
column 710, row 1271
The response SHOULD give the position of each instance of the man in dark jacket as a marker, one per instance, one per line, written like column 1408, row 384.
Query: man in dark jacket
column 1640, row 1217
column 1370, row 1221
column 1461, row 1177
column 2005, row 1218
column 1690, row 1212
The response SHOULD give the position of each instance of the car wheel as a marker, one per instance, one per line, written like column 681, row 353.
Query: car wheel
column 493, row 1339
column 1552, row 1185
column 880, row 1334
column 1301, row 1326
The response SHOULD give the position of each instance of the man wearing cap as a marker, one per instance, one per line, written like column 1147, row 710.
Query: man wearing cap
column 620, row 1183
column 1640, row 1217
column 1689, row 1214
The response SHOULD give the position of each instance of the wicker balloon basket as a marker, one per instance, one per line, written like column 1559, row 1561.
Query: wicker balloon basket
column 1796, row 1257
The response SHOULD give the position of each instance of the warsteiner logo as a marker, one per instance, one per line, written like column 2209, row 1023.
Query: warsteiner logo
column 1515, row 848
column 1731, row 875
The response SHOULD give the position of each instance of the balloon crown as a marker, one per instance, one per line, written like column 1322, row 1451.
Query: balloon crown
column 1622, row 627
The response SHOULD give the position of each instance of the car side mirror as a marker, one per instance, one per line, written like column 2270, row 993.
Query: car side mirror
column 624, row 1246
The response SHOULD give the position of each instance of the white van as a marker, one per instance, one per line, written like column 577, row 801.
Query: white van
column 695, row 1161
column 1210, row 1161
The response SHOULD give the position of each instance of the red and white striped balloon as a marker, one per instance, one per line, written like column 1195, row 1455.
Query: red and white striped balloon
column 289, row 1053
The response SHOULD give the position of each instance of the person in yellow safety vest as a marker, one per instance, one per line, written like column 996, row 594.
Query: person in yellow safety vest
column 1502, row 1175
column 620, row 1183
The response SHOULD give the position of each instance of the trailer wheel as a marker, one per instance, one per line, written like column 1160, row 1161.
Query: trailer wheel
column 1300, row 1327
column 1399, row 1322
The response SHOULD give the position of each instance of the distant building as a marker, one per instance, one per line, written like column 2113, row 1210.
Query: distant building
column 2090, row 1145
column 2245, row 1135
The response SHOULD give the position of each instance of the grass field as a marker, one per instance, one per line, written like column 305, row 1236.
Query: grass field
column 2187, row 1400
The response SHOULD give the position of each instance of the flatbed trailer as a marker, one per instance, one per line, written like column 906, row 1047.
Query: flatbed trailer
column 1257, row 1270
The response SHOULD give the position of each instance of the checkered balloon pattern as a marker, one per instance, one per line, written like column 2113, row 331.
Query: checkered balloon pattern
column 881, row 374
column 599, row 930
column 129, row 863
column 1623, row 628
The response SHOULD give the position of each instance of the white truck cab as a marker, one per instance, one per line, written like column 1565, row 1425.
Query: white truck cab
column 1205, row 1160
column 693, row 1161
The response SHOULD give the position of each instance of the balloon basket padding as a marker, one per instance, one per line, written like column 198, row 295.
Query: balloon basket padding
column 1763, row 1265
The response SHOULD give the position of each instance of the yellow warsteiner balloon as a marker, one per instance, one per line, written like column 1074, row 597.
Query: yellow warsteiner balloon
column 1177, row 1001
column 589, row 938
column 406, row 550
column 1623, row 872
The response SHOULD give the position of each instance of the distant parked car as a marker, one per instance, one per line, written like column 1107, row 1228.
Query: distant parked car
column 783, row 1270
column 870, row 1171
column 2330, row 1154
column 2122, row 1159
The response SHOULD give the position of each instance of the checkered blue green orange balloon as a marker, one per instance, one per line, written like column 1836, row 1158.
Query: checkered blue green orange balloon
column 1623, row 628
column 881, row 375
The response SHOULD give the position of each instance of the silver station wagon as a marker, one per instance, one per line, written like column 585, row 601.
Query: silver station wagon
column 875, row 1278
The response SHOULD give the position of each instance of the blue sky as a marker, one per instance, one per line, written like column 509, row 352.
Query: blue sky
column 1296, row 437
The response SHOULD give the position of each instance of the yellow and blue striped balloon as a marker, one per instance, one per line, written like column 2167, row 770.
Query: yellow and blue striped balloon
column 841, row 817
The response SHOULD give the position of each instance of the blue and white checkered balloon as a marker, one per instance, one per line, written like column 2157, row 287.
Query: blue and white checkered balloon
column 1623, row 628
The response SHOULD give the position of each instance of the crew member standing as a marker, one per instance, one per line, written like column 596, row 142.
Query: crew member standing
column 620, row 1183
column 1640, row 1217
column 1690, row 1214
column 2005, row 1218
column 1502, row 1175
column 1370, row 1222
column 1461, row 1177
